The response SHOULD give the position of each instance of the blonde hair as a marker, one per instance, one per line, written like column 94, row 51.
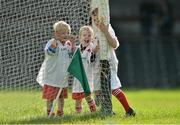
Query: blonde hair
column 88, row 28
column 61, row 25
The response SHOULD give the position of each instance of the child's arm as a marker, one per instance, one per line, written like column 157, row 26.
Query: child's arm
column 73, row 40
column 97, row 46
column 95, row 49
column 112, row 40
column 51, row 47
column 71, row 44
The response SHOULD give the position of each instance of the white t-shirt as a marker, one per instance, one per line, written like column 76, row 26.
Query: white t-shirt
column 53, row 71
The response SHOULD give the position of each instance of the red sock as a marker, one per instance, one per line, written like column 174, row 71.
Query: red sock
column 119, row 94
column 60, row 113
column 48, row 112
column 78, row 109
column 92, row 105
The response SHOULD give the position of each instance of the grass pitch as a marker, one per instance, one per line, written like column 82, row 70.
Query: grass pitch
column 152, row 107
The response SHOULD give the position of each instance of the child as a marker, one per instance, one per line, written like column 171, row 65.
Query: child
column 86, row 37
column 115, row 82
column 52, row 75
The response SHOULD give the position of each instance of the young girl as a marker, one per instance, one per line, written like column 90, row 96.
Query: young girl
column 86, row 37
column 52, row 75
column 113, row 42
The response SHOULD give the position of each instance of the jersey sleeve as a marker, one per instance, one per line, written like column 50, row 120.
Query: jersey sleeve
column 49, row 49
column 112, row 33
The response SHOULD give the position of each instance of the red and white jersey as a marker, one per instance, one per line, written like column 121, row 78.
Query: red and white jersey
column 53, row 71
column 86, row 55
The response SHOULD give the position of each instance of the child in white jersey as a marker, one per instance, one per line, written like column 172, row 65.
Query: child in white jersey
column 52, row 75
column 115, row 82
column 86, row 36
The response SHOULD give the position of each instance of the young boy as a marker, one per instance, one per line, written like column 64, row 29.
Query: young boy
column 52, row 75
column 113, row 42
column 86, row 36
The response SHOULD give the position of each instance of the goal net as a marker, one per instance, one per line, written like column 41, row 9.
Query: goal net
column 25, row 28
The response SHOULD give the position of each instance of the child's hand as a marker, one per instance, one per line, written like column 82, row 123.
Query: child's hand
column 54, row 43
column 73, row 38
column 103, row 27
column 96, row 49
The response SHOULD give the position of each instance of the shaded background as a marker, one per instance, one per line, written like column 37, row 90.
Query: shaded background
column 146, row 60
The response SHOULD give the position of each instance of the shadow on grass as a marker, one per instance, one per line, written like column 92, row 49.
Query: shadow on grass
column 83, row 118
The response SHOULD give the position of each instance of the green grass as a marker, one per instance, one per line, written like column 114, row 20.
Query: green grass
column 152, row 107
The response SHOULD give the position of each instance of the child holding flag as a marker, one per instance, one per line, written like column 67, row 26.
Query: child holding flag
column 52, row 75
column 86, row 36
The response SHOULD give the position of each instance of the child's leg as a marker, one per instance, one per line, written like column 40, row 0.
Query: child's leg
column 78, row 105
column 49, row 106
column 91, row 103
column 60, row 111
column 48, row 94
column 63, row 95
column 78, row 101
column 120, row 95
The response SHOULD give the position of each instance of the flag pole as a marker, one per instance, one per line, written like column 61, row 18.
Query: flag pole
column 53, row 105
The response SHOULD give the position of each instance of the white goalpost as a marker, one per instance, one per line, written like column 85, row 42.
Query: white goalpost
column 102, row 7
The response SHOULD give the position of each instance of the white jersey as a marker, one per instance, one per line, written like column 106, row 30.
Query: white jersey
column 115, row 81
column 86, row 55
column 53, row 69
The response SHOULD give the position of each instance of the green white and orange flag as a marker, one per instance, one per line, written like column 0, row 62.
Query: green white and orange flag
column 76, row 68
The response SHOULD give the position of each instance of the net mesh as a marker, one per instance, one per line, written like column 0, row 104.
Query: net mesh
column 25, row 28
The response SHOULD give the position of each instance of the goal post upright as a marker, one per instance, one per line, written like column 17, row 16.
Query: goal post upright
column 103, row 8
column 105, row 72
